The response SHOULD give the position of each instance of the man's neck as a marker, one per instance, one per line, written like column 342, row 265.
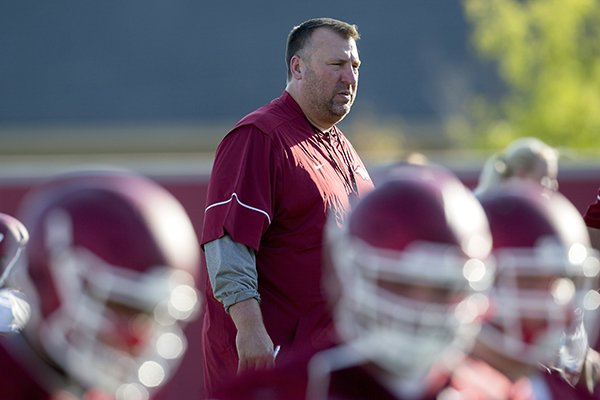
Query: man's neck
column 325, row 130
column 297, row 98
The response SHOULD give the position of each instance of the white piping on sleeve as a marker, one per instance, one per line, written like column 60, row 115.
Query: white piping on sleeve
column 220, row 203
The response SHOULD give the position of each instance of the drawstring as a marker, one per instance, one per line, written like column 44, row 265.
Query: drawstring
column 349, row 178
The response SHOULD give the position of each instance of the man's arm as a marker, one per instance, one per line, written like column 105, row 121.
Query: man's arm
column 254, row 346
column 232, row 272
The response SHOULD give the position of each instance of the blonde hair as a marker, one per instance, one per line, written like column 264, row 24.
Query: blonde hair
column 521, row 158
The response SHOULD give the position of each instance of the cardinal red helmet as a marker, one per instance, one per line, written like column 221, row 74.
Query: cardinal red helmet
column 546, row 270
column 110, row 270
column 412, row 260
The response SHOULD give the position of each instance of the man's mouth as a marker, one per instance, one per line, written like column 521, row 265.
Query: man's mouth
column 345, row 95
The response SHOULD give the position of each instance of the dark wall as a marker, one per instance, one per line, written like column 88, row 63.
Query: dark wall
column 77, row 60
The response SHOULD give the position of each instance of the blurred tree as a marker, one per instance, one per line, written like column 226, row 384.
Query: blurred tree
column 548, row 54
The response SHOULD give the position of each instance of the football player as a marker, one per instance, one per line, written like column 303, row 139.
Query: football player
column 546, row 273
column 110, row 272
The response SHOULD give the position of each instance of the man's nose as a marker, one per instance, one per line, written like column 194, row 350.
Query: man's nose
column 350, row 75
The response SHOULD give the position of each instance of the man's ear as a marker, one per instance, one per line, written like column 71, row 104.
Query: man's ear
column 297, row 67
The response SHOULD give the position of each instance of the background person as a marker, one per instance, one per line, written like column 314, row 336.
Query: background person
column 276, row 177
column 109, row 272
column 525, row 158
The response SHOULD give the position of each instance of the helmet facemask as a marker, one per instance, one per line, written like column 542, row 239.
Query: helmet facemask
column 404, row 309
column 536, row 296
column 116, row 329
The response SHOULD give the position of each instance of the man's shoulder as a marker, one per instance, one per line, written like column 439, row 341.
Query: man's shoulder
column 277, row 113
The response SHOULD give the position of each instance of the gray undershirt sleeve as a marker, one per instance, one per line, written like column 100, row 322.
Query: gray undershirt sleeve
column 232, row 271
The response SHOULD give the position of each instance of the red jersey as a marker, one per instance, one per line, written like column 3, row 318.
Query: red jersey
column 26, row 376
column 560, row 389
column 471, row 380
column 476, row 380
column 275, row 179
column 292, row 380
column 592, row 216
column 16, row 381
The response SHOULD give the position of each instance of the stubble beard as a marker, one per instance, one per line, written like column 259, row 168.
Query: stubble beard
column 325, row 105
column 340, row 109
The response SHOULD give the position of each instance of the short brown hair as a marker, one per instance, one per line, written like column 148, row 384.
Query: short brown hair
column 299, row 35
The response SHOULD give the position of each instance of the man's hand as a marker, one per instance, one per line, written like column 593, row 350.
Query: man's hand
column 254, row 346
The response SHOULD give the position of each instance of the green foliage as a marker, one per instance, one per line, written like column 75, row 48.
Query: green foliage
column 548, row 54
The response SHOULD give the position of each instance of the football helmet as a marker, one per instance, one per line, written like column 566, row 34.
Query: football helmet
column 110, row 270
column 413, row 261
column 14, row 308
column 546, row 271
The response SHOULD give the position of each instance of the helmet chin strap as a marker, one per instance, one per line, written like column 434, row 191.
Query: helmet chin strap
column 19, row 232
column 514, row 348
column 10, row 266
column 14, row 310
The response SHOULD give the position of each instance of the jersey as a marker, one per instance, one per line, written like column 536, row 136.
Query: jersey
column 275, row 180
column 299, row 379
column 16, row 381
column 592, row 215
column 477, row 380
column 560, row 389
column 26, row 376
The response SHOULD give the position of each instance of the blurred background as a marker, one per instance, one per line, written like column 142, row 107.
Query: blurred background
column 154, row 85
column 145, row 82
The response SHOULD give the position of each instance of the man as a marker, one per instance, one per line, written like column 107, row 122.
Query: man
column 276, row 177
